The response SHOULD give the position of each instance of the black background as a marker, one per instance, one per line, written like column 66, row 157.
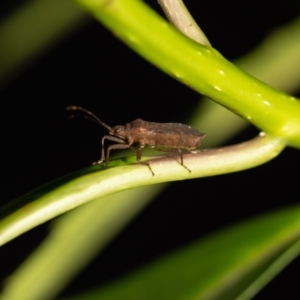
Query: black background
column 95, row 70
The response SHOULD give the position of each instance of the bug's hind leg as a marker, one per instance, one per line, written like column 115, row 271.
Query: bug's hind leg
column 181, row 161
column 148, row 165
column 174, row 150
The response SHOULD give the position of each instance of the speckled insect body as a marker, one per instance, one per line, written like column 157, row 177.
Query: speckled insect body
column 169, row 137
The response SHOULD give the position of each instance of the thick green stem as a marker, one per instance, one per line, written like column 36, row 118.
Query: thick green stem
column 200, row 67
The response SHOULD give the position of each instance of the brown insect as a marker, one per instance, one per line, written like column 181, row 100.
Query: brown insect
column 169, row 137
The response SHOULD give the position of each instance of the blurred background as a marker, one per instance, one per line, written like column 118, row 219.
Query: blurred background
column 85, row 64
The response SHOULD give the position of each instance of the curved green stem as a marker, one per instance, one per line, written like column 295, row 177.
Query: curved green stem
column 200, row 67
column 92, row 184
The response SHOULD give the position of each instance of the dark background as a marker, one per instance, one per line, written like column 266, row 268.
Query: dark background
column 95, row 70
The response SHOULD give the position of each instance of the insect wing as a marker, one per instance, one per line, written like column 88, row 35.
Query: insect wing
column 166, row 135
column 172, row 128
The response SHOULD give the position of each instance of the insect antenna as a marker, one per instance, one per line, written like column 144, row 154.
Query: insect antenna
column 90, row 116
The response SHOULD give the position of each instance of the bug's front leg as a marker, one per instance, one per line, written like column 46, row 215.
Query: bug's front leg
column 110, row 138
column 114, row 147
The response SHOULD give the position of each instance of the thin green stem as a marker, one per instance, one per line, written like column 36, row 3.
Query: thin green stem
column 92, row 184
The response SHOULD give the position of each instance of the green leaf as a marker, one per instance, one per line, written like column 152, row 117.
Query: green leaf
column 234, row 263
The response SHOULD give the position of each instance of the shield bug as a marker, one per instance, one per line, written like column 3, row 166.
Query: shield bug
column 169, row 137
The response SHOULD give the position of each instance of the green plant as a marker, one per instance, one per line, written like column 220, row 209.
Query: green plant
column 239, row 92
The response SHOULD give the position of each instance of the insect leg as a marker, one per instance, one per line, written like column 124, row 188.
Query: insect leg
column 114, row 147
column 181, row 156
column 139, row 152
column 110, row 138
column 174, row 150
column 181, row 160
column 139, row 155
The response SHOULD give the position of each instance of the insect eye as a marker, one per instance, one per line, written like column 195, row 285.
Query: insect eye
column 118, row 130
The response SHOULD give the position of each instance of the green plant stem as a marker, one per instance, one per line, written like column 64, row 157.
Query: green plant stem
column 89, row 185
column 43, row 205
column 200, row 67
